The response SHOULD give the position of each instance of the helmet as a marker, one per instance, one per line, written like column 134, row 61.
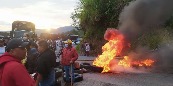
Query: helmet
column 69, row 41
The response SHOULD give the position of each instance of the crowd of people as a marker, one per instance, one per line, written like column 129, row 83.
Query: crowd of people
column 22, row 57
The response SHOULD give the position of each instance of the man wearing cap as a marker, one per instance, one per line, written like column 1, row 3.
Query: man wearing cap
column 69, row 56
column 45, row 65
column 12, row 72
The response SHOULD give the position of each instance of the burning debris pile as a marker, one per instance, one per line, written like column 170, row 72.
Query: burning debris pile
column 114, row 48
column 140, row 17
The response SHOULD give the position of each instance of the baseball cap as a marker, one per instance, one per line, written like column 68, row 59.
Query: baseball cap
column 16, row 43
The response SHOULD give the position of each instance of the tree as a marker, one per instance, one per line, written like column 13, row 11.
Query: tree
column 94, row 17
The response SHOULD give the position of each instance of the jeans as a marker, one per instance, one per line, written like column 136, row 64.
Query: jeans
column 50, row 81
column 68, row 73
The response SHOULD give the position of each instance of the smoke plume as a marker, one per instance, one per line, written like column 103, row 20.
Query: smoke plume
column 164, row 57
column 143, row 16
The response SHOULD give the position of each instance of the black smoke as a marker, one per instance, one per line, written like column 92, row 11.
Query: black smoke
column 142, row 16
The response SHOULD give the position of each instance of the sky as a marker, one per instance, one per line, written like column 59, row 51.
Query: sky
column 45, row 14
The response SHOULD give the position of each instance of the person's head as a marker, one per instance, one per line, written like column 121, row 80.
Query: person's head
column 17, row 48
column 26, row 36
column 33, row 45
column 1, row 42
column 42, row 45
column 69, row 42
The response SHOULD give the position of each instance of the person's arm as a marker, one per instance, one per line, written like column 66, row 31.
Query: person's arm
column 75, row 56
column 40, row 69
column 88, row 48
column 62, row 57
column 39, row 78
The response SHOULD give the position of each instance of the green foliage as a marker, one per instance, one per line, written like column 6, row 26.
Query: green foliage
column 78, row 48
column 95, row 16
column 169, row 22
column 153, row 39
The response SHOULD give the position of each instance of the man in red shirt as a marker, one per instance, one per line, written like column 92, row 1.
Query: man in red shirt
column 69, row 56
column 12, row 72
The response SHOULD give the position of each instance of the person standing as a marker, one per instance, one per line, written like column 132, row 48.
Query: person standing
column 83, row 52
column 45, row 65
column 26, row 37
column 87, row 49
column 12, row 72
column 32, row 56
column 2, row 47
column 69, row 56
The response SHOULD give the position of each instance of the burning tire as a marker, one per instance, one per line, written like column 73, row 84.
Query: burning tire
column 96, row 69
column 78, row 77
column 80, row 71
column 86, row 67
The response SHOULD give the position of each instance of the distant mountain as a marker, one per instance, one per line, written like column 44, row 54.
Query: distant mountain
column 55, row 31
column 65, row 29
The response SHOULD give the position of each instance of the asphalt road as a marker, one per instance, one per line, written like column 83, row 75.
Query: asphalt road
column 126, row 79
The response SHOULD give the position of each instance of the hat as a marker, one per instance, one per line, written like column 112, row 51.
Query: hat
column 69, row 41
column 16, row 43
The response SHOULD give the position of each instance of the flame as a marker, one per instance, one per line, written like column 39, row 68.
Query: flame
column 147, row 62
column 112, row 49
column 109, row 52
column 125, row 62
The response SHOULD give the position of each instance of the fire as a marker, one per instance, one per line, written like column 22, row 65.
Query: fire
column 125, row 62
column 112, row 49
column 147, row 62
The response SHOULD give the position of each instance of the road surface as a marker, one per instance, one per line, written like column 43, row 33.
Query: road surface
column 126, row 79
column 123, row 79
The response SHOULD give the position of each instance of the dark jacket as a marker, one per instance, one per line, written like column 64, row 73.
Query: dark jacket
column 31, row 62
column 46, row 62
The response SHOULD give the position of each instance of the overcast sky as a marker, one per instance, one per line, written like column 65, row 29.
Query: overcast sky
column 45, row 14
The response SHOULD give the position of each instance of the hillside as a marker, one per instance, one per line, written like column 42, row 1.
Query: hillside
column 55, row 31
